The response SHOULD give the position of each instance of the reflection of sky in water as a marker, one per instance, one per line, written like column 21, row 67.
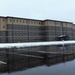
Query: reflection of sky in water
column 67, row 68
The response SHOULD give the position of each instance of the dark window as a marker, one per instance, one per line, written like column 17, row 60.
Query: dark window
column 17, row 20
column 10, row 20
column 34, row 22
column 20, row 21
column 3, row 26
column 31, row 22
column 23, row 21
column 28, row 21
column 13, row 20
column 3, row 19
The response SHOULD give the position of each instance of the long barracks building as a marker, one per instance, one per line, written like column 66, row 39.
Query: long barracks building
column 14, row 29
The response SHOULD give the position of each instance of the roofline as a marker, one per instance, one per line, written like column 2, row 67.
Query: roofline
column 35, row 19
column 2, row 17
column 58, row 21
column 23, row 18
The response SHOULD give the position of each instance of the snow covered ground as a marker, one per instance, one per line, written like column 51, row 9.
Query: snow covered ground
column 32, row 44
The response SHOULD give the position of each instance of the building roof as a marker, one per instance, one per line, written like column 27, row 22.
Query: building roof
column 57, row 21
column 34, row 19
column 23, row 18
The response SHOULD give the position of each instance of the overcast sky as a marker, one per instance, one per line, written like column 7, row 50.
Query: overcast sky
column 63, row 10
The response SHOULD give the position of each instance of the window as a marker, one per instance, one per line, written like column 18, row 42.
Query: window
column 10, row 20
column 37, row 22
column 13, row 20
column 34, row 22
column 3, row 26
column 17, row 21
column 50, row 22
column 20, row 21
column 31, row 22
column 23, row 21
column 3, row 19
column 28, row 21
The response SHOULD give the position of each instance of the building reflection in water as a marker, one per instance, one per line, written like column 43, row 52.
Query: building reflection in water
column 27, row 58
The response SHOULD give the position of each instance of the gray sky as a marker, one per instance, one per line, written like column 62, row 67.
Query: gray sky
column 39, row 9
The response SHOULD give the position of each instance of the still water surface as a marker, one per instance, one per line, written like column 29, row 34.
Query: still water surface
column 59, row 69
column 67, row 68
column 24, row 62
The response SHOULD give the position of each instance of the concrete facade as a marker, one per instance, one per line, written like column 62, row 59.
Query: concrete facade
column 14, row 29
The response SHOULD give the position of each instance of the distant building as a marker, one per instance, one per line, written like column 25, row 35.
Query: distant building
column 14, row 29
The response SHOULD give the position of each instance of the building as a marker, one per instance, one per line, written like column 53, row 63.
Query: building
column 14, row 29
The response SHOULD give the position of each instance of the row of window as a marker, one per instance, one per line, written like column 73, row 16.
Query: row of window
column 25, row 27
column 24, row 33
column 2, row 33
column 25, row 21
column 26, row 40
column 33, row 22
column 2, row 40
column 21, row 33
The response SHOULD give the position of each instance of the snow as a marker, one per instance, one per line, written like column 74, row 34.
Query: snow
column 32, row 44
column 1, row 62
